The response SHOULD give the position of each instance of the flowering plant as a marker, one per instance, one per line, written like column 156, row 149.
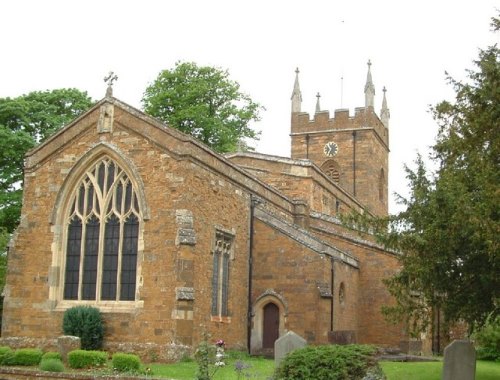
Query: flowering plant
column 210, row 358
column 220, row 343
column 219, row 353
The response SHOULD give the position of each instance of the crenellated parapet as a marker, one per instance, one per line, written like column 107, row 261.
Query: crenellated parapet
column 342, row 120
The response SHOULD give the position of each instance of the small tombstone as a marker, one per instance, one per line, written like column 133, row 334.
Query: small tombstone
column 287, row 343
column 459, row 361
column 66, row 344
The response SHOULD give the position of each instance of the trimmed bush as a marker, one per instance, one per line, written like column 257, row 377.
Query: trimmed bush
column 86, row 323
column 126, row 362
column 52, row 355
column 6, row 354
column 87, row 359
column 52, row 365
column 26, row 357
column 330, row 362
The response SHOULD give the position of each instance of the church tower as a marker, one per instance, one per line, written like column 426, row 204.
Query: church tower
column 352, row 150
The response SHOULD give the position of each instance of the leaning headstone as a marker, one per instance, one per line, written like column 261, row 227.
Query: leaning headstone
column 459, row 361
column 287, row 343
column 66, row 344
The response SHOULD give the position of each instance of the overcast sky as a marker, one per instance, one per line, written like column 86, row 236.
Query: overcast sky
column 57, row 44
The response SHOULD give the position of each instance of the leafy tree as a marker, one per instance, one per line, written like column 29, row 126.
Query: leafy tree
column 448, row 234
column 203, row 102
column 24, row 122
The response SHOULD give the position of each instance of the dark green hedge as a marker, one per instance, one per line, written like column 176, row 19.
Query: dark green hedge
column 126, row 362
column 87, row 359
column 85, row 322
column 330, row 362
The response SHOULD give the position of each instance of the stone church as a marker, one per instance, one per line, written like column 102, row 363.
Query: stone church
column 171, row 240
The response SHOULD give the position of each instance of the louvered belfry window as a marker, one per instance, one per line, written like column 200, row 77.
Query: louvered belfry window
column 331, row 169
column 102, row 236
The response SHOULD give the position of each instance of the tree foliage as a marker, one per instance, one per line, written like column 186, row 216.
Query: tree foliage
column 24, row 122
column 448, row 234
column 203, row 102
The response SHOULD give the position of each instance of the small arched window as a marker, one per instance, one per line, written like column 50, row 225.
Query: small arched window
column 342, row 294
column 381, row 185
column 102, row 236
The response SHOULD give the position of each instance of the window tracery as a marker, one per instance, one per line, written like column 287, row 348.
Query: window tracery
column 332, row 170
column 102, row 236
column 220, row 279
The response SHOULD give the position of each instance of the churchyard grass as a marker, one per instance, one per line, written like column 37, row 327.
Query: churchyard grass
column 259, row 368
column 485, row 370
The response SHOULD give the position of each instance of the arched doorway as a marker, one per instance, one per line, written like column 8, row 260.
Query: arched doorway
column 271, row 330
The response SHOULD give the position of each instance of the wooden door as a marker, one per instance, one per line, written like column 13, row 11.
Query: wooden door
column 271, row 325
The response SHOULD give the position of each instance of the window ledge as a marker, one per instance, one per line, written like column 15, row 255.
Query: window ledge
column 103, row 306
column 217, row 318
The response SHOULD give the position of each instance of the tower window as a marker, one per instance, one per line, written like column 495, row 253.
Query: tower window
column 342, row 294
column 332, row 170
column 381, row 185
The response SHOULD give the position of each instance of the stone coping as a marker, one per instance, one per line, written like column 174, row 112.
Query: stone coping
column 17, row 373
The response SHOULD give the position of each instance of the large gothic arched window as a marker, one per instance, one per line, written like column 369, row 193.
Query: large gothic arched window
column 102, row 236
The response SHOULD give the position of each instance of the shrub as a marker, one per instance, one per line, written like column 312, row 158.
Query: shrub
column 86, row 359
column 86, row 323
column 126, row 362
column 26, row 357
column 52, row 365
column 52, row 355
column 6, row 354
column 488, row 339
column 333, row 362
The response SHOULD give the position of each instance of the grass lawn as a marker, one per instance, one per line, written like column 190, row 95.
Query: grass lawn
column 432, row 370
column 258, row 368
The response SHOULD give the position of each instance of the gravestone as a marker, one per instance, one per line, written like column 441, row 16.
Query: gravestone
column 285, row 344
column 459, row 361
column 66, row 344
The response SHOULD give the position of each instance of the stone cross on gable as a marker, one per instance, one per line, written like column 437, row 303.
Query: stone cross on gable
column 109, row 79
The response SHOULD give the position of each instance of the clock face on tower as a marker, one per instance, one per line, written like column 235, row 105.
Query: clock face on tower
column 331, row 149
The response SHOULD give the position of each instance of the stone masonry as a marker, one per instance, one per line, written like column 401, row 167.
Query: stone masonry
column 244, row 246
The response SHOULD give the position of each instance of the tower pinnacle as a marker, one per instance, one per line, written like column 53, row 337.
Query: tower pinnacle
column 369, row 88
column 296, row 94
column 318, row 107
column 384, row 112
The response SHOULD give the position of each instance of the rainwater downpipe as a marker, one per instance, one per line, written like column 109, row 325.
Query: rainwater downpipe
column 354, row 163
column 253, row 203
column 332, row 289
